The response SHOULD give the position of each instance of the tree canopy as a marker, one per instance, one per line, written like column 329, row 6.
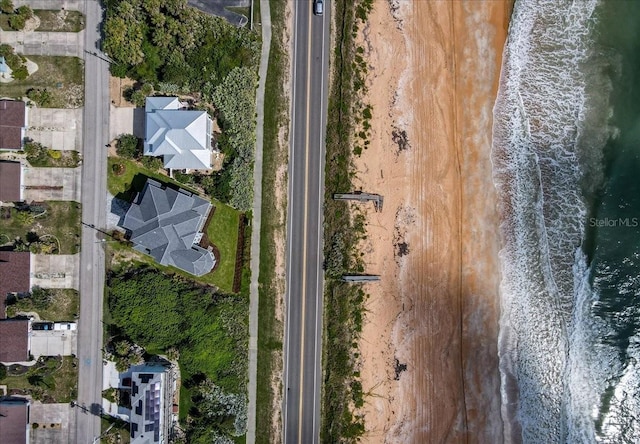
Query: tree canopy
column 167, row 41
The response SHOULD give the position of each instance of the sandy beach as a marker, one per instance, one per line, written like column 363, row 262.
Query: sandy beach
column 434, row 71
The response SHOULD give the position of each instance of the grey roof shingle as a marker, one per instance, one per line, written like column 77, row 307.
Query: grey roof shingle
column 165, row 223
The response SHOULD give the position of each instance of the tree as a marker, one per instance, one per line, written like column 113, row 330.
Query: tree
column 3, row 372
column 128, row 146
column 6, row 6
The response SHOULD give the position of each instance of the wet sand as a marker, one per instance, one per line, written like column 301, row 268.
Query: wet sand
column 434, row 71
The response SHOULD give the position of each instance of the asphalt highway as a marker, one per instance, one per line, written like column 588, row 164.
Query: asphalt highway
column 303, row 325
column 92, row 261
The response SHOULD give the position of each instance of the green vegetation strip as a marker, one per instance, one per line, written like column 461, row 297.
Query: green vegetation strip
column 269, row 328
column 63, row 77
column 51, row 223
column 344, row 304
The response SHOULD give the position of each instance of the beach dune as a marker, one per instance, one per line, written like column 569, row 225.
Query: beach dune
column 429, row 346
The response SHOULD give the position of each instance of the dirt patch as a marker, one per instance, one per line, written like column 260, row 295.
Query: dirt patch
column 117, row 88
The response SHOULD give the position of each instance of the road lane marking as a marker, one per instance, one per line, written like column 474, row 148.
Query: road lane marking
column 304, row 230
column 289, row 234
column 319, row 277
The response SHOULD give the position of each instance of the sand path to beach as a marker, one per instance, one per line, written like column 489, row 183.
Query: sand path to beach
column 434, row 71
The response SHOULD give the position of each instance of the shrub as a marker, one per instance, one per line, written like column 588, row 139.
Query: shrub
column 3, row 372
column 25, row 12
column 54, row 154
column 17, row 22
column 42, row 96
column 6, row 6
column 128, row 146
column 118, row 169
column 152, row 163
column 20, row 73
column 183, row 178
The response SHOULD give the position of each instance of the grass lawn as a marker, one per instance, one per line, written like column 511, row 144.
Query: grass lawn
column 62, row 76
column 223, row 233
column 132, row 179
column 222, row 230
column 52, row 20
column 61, row 220
column 63, row 307
column 55, row 380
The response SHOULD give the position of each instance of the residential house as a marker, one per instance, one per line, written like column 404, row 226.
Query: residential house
column 11, row 182
column 14, row 420
column 15, row 340
column 13, row 123
column 151, row 402
column 167, row 224
column 182, row 137
column 15, row 276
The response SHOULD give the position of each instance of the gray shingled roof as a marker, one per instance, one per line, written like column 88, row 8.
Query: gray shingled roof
column 166, row 224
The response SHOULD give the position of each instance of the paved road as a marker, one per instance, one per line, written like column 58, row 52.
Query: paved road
column 303, row 329
column 92, row 265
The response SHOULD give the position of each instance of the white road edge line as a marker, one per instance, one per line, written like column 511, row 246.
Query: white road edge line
column 289, row 212
column 320, row 278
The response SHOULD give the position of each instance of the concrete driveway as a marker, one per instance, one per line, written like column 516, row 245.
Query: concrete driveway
column 70, row 44
column 56, row 128
column 76, row 5
column 42, row 184
column 56, row 423
column 126, row 120
column 53, row 343
column 55, row 270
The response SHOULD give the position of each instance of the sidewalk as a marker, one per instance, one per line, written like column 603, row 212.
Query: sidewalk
column 265, row 16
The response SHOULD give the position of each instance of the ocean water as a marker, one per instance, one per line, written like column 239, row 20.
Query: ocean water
column 566, row 158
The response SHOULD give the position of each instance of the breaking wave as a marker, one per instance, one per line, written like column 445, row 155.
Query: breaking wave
column 551, row 125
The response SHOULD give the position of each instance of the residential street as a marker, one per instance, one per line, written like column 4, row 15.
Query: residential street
column 92, row 268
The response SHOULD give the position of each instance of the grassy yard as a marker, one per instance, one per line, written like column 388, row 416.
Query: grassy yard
column 132, row 179
column 52, row 20
column 63, row 307
column 62, row 76
column 52, row 379
column 223, row 233
column 222, row 230
column 61, row 220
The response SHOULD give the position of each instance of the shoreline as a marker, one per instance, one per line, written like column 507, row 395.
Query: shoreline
column 436, row 309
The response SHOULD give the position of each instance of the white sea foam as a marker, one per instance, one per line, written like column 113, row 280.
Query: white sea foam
column 541, row 155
